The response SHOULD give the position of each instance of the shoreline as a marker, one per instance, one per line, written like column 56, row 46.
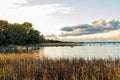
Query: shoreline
column 61, row 44
column 32, row 48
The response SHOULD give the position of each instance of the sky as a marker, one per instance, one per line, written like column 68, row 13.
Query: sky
column 68, row 20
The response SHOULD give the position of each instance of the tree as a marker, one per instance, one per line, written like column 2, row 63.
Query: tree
column 34, row 37
column 27, row 26
column 42, row 39
column 2, row 38
column 4, row 24
column 16, row 35
column 19, row 34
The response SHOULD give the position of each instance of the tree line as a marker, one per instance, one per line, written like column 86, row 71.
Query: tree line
column 19, row 34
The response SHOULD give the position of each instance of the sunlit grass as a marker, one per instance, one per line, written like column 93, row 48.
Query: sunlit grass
column 28, row 67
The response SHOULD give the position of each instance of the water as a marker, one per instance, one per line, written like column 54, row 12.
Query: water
column 89, row 50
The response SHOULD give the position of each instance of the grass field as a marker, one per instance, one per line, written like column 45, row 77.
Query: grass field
column 30, row 67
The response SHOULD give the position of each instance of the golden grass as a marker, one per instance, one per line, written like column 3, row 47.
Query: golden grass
column 28, row 67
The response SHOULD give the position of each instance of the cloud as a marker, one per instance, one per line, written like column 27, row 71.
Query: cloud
column 42, row 2
column 59, row 9
column 52, row 37
column 72, row 28
column 97, row 26
column 9, row 3
column 67, row 29
column 109, row 36
column 114, row 23
column 37, row 2
column 100, row 22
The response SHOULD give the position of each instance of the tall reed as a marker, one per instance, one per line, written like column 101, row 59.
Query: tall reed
column 28, row 67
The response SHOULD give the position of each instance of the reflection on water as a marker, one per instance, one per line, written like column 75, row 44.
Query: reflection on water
column 90, row 50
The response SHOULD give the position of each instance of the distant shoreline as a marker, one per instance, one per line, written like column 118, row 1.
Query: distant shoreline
column 61, row 44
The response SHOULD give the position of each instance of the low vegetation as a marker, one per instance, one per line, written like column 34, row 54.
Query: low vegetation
column 34, row 67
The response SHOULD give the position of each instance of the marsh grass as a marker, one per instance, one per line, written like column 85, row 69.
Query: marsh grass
column 28, row 67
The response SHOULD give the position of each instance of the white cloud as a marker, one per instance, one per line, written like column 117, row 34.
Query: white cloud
column 109, row 36
column 99, row 30
column 99, row 22
column 97, row 26
column 9, row 3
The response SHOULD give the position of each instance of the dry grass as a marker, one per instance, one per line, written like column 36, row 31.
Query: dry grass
column 28, row 67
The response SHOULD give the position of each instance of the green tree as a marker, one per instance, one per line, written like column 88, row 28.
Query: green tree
column 34, row 37
column 4, row 24
column 16, row 35
column 27, row 26
column 19, row 33
column 2, row 38
column 42, row 39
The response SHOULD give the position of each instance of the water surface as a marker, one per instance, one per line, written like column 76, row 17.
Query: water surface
column 89, row 50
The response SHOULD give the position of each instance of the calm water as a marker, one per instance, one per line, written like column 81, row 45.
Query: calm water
column 90, row 50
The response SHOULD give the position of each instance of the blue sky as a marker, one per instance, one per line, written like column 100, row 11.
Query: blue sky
column 51, row 16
